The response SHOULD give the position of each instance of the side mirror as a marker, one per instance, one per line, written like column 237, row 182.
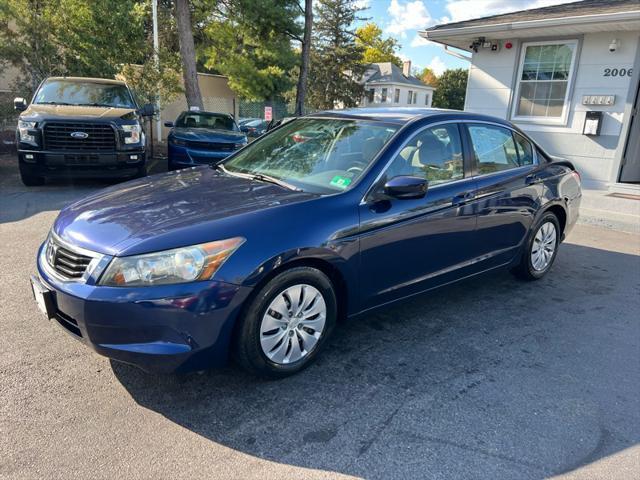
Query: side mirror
column 19, row 104
column 168, row 124
column 148, row 110
column 406, row 187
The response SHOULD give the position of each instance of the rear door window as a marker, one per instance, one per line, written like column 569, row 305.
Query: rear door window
column 494, row 148
column 525, row 150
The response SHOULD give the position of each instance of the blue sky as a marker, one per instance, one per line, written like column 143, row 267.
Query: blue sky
column 402, row 19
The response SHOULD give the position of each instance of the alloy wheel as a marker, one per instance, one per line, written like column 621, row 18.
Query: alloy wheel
column 292, row 324
column 543, row 247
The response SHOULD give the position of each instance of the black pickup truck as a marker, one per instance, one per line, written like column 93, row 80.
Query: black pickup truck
column 81, row 127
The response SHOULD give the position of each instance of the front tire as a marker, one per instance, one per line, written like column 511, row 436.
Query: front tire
column 287, row 323
column 31, row 180
column 541, row 248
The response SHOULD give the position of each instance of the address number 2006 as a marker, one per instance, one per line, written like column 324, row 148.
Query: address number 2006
column 617, row 72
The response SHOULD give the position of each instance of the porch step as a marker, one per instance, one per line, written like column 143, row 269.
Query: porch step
column 617, row 210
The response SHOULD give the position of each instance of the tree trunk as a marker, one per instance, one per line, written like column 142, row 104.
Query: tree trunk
column 301, row 91
column 188, row 55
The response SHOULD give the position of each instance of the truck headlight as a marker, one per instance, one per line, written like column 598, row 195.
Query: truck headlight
column 179, row 265
column 23, row 129
column 132, row 133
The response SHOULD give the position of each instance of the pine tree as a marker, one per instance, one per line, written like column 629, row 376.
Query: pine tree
column 336, row 59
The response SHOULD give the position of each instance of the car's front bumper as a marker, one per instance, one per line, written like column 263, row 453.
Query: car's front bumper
column 170, row 328
column 184, row 157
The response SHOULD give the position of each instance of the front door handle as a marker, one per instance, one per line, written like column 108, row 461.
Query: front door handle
column 462, row 198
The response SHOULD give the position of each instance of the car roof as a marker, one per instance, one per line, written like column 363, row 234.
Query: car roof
column 403, row 115
column 209, row 113
column 89, row 80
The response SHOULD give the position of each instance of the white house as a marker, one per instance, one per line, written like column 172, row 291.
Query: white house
column 387, row 85
column 567, row 75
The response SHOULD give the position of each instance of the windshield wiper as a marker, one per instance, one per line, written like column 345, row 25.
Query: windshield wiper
column 261, row 177
column 95, row 105
column 276, row 181
column 56, row 103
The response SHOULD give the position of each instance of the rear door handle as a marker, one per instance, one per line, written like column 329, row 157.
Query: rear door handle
column 462, row 198
column 532, row 179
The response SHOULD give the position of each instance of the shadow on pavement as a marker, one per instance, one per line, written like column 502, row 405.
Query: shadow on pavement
column 489, row 378
column 20, row 202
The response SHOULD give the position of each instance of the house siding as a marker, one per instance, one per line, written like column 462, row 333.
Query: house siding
column 492, row 81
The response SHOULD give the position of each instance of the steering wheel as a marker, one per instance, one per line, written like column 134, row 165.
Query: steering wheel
column 357, row 168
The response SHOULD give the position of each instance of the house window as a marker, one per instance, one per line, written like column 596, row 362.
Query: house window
column 544, row 77
column 396, row 96
column 426, row 99
column 410, row 97
column 383, row 98
column 415, row 97
column 370, row 93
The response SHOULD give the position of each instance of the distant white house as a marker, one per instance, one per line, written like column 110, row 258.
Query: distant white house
column 387, row 85
column 568, row 75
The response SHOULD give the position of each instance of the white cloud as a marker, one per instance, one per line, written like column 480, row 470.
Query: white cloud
column 407, row 16
column 460, row 10
column 437, row 66
column 362, row 3
column 419, row 41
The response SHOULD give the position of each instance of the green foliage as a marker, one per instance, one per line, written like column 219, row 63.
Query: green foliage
column 336, row 59
column 69, row 37
column 250, row 43
column 428, row 76
column 148, row 80
column 451, row 89
column 375, row 48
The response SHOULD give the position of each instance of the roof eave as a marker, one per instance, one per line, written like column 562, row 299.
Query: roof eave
column 440, row 34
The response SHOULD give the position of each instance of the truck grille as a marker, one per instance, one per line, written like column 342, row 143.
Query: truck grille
column 65, row 262
column 58, row 136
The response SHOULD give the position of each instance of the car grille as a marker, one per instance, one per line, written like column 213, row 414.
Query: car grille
column 225, row 147
column 65, row 262
column 57, row 136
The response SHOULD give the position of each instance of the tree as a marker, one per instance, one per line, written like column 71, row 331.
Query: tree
column 69, row 37
column 428, row 77
column 188, row 55
column 250, row 43
column 451, row 89
column 336, row 59
column 301, row 90
column 375, row 48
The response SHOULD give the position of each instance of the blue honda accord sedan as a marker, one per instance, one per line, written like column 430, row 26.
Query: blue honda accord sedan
column 326, row 217
column 198, row 138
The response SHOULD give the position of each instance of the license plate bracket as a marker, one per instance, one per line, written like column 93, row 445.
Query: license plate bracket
column 43, row 297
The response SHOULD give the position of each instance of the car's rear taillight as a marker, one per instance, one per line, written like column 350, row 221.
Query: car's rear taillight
column 576, row 174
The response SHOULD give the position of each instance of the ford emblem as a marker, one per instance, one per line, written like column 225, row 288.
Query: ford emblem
column 79, row 134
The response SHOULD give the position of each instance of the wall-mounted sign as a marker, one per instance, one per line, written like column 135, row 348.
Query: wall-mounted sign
column 598, row 99
column 592, row 123
column 268, row 113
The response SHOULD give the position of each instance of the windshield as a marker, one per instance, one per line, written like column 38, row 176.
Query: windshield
column 313, row 154
column 72, row 92
column 211, row 121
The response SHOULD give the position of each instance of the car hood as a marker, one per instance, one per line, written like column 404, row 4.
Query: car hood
column 206, row 135
column 169, row 210
column 37, row 112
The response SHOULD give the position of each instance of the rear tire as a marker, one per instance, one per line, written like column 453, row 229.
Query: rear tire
column 540, row 249
column 31, row 180
column 276, row 345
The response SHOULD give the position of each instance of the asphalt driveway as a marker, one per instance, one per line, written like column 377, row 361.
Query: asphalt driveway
column 490, row 378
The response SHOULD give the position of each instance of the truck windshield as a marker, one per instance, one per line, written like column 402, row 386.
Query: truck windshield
column 73, row 92
column 212, row 121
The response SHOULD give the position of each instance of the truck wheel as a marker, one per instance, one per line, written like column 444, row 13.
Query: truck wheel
column 31, row 180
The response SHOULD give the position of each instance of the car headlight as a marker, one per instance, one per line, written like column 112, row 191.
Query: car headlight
column 133, row 133
column 178, row 142
column 23, row 129
column 179, row 265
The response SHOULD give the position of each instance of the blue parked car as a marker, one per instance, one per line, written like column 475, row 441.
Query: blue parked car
column 199, row 138
column 326, row 217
